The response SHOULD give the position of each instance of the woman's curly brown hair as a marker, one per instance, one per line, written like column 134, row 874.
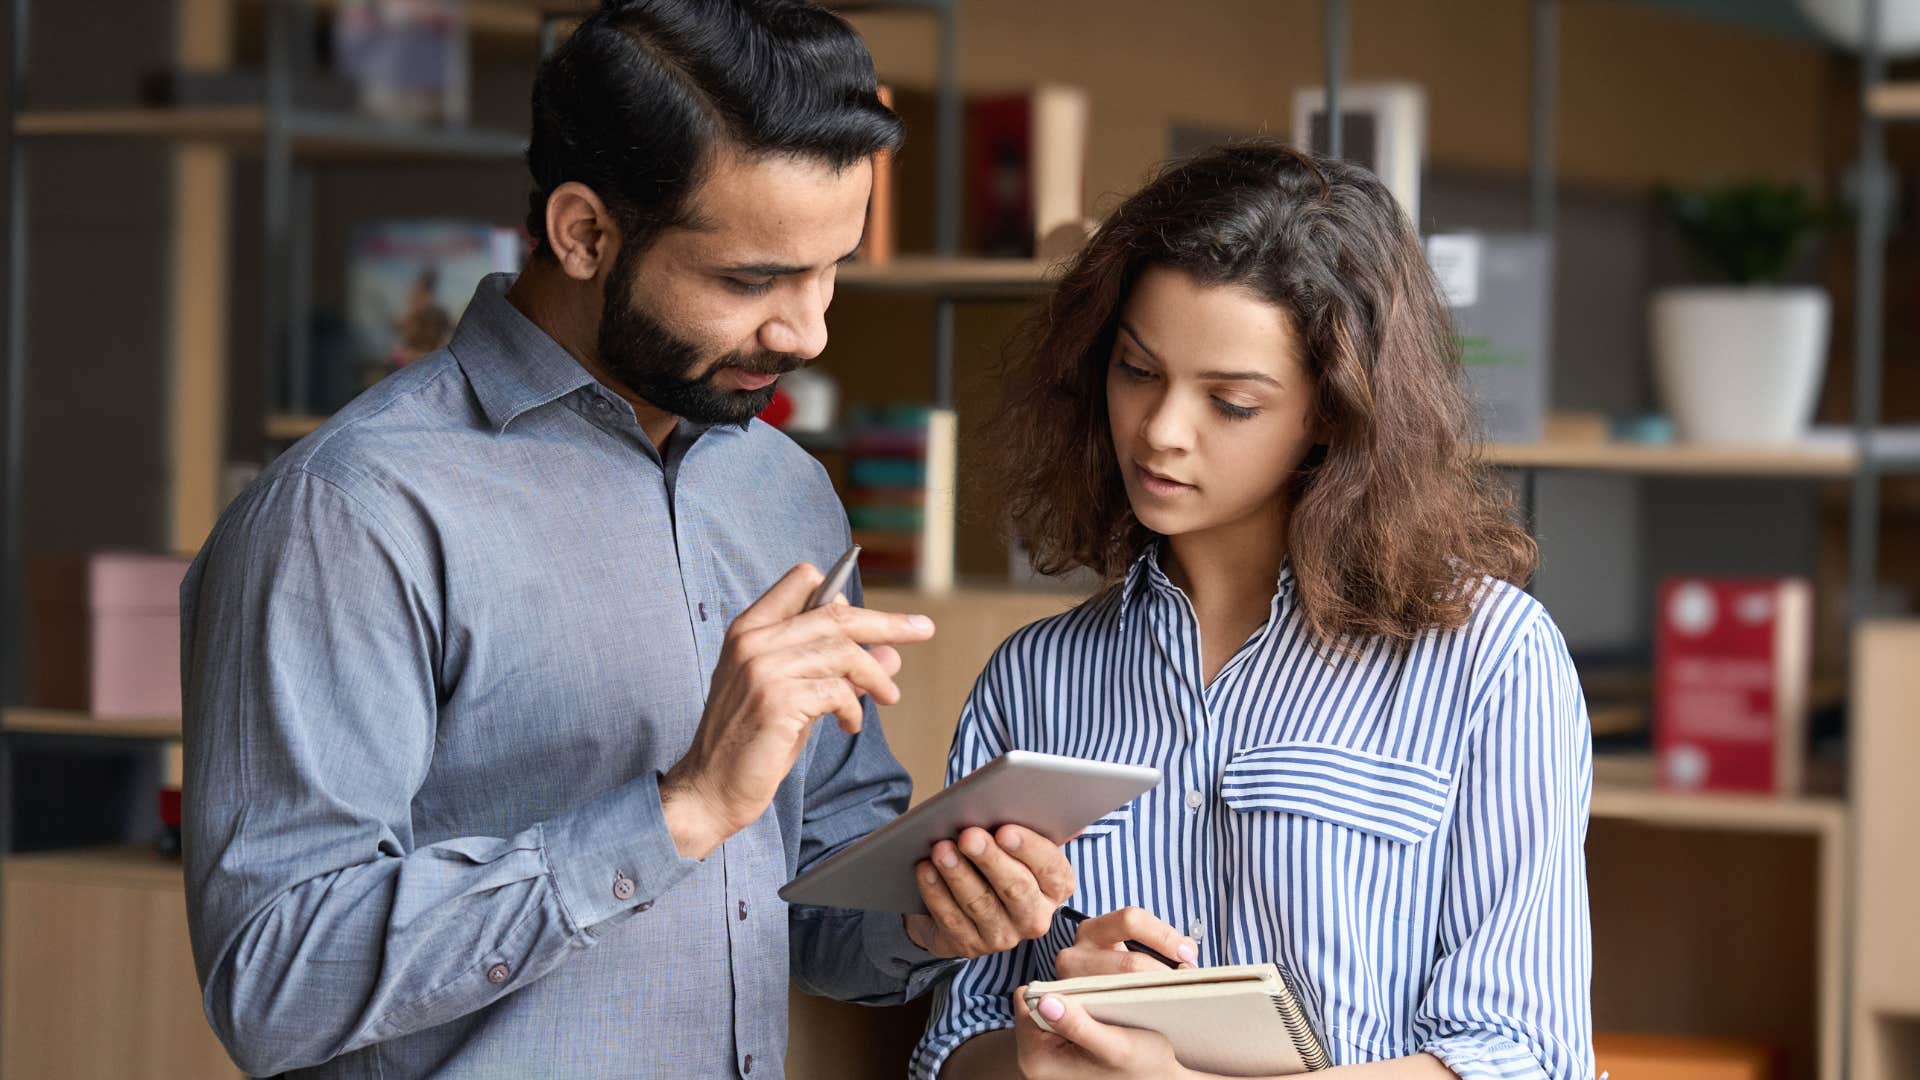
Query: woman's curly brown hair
column 1394, row 522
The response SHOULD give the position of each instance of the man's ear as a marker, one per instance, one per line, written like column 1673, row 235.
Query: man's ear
column 580, row 231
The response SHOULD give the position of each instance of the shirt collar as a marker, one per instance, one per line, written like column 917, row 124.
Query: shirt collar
column 512, row 365
column 1145, row 577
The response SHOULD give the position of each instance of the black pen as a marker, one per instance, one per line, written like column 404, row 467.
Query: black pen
column 1079, row 917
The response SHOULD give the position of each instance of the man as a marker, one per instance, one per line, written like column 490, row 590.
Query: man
column 494, row 760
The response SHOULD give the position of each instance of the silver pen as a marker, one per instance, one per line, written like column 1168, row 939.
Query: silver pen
column 837, row 579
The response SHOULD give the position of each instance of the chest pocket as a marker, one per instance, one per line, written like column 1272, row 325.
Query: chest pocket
column 1391, row 798
column 1102, row 829
column 1105, row 866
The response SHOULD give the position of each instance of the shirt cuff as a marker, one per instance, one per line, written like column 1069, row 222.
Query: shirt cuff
column 1483, row 1055
column 884, row 937
column 934, row 1050
column 613, row 855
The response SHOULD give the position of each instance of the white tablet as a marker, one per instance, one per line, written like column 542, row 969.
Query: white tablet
column 1052, row 795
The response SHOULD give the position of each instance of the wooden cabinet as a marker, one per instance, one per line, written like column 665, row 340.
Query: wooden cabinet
column 98, row 975
column 1886, row 760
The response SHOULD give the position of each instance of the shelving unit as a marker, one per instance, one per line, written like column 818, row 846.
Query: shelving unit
column 1638, row 831
column 62, row 722
column 1823, row 460
column 103, row 932
column 1894, row 100
column 312, row 135
column 959, row 278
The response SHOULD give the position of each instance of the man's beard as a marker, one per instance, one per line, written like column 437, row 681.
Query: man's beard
column 653, row 362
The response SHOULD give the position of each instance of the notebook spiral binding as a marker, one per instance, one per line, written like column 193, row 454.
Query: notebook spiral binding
column 1312, row 1055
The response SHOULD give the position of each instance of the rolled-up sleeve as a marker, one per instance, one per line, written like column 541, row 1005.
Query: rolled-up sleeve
column 979, row 998
column 1510, row 995
column 310, row 641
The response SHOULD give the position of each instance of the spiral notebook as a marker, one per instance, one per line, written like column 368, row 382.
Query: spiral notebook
column 1238, row 1020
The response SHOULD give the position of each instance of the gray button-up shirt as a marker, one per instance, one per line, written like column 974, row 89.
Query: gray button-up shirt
column 436, row 660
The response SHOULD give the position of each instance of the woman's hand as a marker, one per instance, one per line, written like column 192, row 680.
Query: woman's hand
column 1099, row 945
column 1082, row 1048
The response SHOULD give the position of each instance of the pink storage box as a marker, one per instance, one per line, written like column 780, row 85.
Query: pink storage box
column 107, row 634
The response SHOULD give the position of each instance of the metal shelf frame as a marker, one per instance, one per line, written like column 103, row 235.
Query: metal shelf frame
column 292, row 141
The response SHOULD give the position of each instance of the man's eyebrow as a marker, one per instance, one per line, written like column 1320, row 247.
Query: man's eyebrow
column 1220, row 376
column 776, row 270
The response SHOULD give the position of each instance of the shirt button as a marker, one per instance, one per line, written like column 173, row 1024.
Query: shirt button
column 601, row 404
column 498, row 973
column 747, row 1065
column 703, row 613
column 1198, row 929
column 623, row 888
column 1194, row 799
column 743, row 911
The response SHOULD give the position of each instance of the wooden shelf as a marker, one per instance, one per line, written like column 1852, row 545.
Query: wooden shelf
column 63, row 722
column 138, row 866
column 1811, row 814
column 955, row 278
column 291, row 427
column 1824, row 459
column 314, row 134
column 1895, row 100
column 521, row 18
column 486, row 18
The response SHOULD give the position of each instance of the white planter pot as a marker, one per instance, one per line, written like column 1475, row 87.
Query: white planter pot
column 1740, row 364
column 1845, row 21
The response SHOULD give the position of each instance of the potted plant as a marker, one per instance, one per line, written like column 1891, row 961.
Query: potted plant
column 1741, row 360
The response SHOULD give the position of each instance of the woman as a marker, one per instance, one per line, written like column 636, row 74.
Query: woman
column 1243, row 406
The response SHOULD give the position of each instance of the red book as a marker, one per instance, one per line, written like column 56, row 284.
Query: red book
column 1026, row 169
column 1732, row 663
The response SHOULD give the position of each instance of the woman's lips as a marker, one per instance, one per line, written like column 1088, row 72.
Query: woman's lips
column 1159, row 485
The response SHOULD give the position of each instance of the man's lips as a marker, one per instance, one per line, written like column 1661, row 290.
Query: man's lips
column 747, row 380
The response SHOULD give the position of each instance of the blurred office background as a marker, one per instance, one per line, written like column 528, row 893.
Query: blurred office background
column 1680, row 239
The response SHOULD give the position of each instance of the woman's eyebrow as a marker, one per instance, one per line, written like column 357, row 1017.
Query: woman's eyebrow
column 1240, row 376
column 1138, row 343
column 1218, row 376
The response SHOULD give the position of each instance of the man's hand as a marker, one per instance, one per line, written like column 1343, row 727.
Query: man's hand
column 989, row 892
column 1099, row 945
column 782, row 668
column 1082, row 1048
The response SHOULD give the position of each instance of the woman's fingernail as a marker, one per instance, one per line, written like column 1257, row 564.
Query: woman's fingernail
column 948, row 858
column 919, row 623
column 1188, row 953
column 1052, row 1008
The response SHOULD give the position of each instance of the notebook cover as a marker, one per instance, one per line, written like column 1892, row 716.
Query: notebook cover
column 1238, row 1020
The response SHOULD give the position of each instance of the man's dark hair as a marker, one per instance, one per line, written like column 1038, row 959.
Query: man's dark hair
column 636, row 102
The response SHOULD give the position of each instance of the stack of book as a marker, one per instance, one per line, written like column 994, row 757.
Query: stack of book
column 900, row 501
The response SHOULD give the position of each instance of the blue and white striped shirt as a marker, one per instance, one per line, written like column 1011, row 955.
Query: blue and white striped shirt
column 1401, row 830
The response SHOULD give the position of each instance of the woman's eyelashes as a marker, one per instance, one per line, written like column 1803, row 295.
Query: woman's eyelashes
column 1227, row 409
column 1234, row 412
